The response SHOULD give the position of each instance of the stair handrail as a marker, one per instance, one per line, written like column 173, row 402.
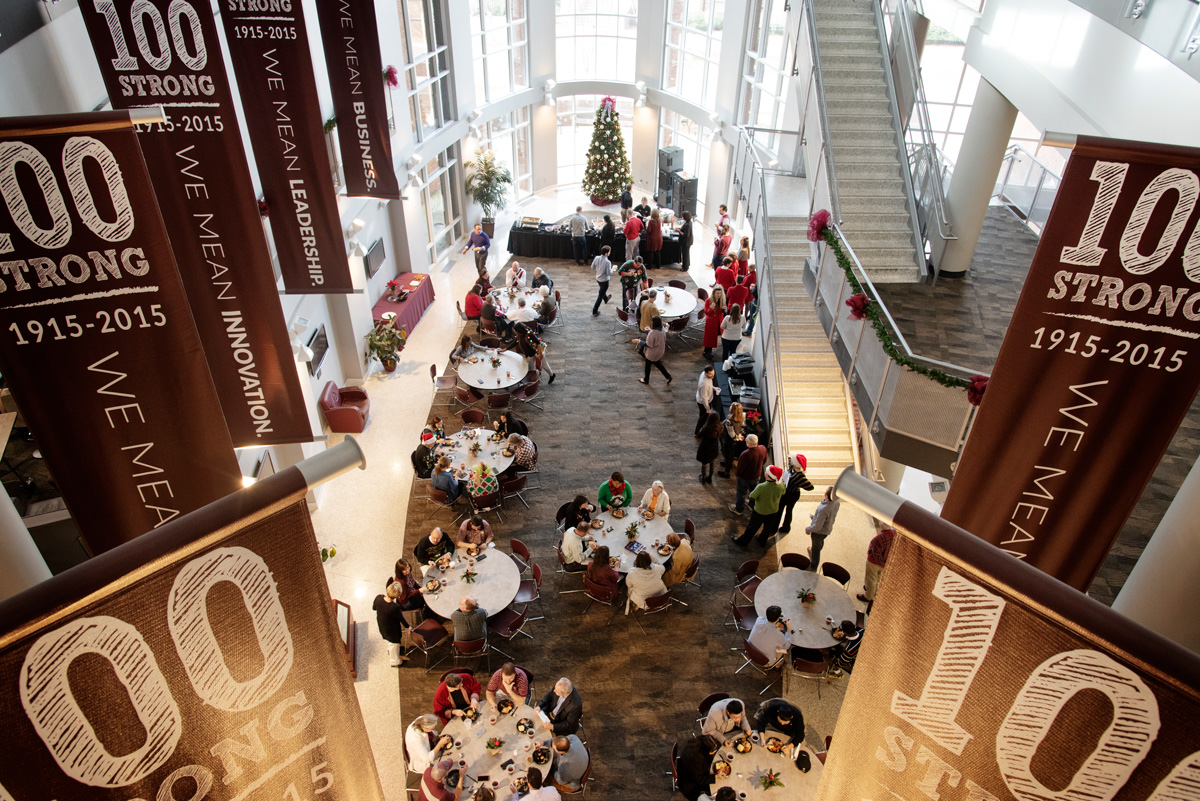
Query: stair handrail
column 823, row 114
column 1010, row 157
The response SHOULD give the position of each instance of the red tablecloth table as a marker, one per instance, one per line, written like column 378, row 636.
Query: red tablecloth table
column 408, row 311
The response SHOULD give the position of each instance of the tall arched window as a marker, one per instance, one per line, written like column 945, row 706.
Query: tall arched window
column 596, row 40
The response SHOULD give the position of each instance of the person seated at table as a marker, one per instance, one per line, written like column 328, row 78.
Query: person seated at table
column 643, row 208
column 462, row 352
column 538, row 792
column 508, row 682
column 656, row 500
column 570, row 762
column 615, row 493
column 473, row 304
column 645, row 580
column 529, row 343
column 545, row 307
column 445, row 480
column 524, row 451
column 520, row 313
column 842, row 656
column 694, row 766
column 412, row 596
column 433, row 783
column 781, row 717
column 579, row 510
column 725, row 793
column 514, row 276
column 423, row 458
column 389, row 616
column 432, row 546
column 540, row 279
column 648, row 310
column 510, row 424
column 475, row 531
column 482, row 481
column 424, row 745
column 490, row 314
column 563, row 707
column 574, row 546
column 725, row 718
column 681, row 559
column 457, row 693
column 771, row 634
column 470, row 621
column 632, row 274
column 601, row 571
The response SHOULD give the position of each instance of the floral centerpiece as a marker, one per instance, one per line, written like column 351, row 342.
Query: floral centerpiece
column 807, row 597
column 493, row 744
column 753, row 417
column 475, row 448
column 770, row 779
column 470, row 576
column 495, row 361
column 632, row 531
column 393, row 288
column 976, row 389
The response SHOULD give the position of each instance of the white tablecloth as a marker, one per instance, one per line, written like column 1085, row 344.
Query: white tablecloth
column 808, row 622
column 481, row 762
column 494, row 588
column 648, row 531
column 491, row 452
column 503, row 303
column 680, row 304
column 481, row 375
column 747, row 770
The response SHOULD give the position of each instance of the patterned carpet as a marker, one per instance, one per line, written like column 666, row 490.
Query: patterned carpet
column 598, row 418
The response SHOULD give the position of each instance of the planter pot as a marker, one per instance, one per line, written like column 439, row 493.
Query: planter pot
column 389, row 365
column 489, row 226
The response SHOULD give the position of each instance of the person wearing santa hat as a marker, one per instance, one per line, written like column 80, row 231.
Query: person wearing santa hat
column 795, row 481
column 764, row 508
column 423, row 458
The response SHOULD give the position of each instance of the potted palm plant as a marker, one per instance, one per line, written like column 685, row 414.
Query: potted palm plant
column 487, row 185
column 385, row 341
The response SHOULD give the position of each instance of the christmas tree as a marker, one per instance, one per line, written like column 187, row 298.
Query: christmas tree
column 607, row 172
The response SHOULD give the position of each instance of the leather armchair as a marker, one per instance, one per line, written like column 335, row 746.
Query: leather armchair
column 345, row 408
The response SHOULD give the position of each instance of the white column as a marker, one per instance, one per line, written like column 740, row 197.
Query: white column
column 1160, row 591
column 543, row 66
column 988, row 131
column 23, row 563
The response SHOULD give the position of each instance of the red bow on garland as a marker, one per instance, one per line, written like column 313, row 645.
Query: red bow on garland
column 976, row 389
column 858, row 303
column 817, row 224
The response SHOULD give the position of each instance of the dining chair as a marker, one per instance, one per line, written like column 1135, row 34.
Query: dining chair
column 528, row 680
column 583, row 780
column 702, row 294
column 514, row 488
column 507, row 623
column 762, row 663
column 796, row 560
column 499, row 402
column 415, row 776
column 836, row 572
column 460, row 671
column 472, row 418
column 488, row 502
column 809, row 663
column 705, row 705
column 689, row 575
column 440, row 498
column 740, row 616
column 560, row 517
column 677, row 284
column 487, row 326
column 535, row 470
column 625, row 322
column 674, row 771
column 471, row 649
column 677, row 327
column 746, row 580
column 490, row 342
column 520, row 554
column 528, row 392
column 466, row 396
column 441, row 382
column 426, row 637
column 530, row 590
column 689, row 528
column 601, row 594
column 654, row 604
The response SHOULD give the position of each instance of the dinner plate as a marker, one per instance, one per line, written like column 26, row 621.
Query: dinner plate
column 525, row 725
column 774, row 745
column 648, row 515
column 664, row 550
column 505, row 706
column 743, row 745
column 432, row 585
column 541, row 756
column 618, row 513
column 597, row 523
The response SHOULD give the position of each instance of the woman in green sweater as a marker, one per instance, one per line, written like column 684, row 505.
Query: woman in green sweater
column 615, row 493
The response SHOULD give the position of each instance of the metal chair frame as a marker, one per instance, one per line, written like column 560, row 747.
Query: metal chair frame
column 527, row 599
column 762, row 663
column 599, row 594
column 654, row 604
column 442, row 502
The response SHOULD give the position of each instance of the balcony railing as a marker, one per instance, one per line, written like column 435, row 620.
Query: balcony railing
column 1027, row 186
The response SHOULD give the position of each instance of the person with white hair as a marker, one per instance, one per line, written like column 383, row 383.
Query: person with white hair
column 656, row 501
column 546, row 305
column 514, row 276
column 424, row 745
column 540, row 279
column 433, row 783
column 561, row 708
column 521, row 313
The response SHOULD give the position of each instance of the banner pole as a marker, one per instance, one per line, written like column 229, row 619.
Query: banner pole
column 864, row 493
column 332, row 462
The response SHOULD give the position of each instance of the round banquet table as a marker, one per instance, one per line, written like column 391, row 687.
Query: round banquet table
column 480, row 762
column 491, row 452
column 746, row 770
column 808, row 622
column 648, row 531
column 503, row 304
column 480, row 373
column 494, row 588
column 681, row 304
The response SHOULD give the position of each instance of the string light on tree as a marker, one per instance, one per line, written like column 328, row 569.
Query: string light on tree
column 607, row 172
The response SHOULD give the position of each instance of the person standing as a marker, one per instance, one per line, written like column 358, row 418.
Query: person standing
column 603, row 269
column 877, row 555
column 389, row 615
column 579, row 226
column 723, row 221
column 633, row 230
column 738, row 293
column 743, row 256
column 710, row 446
column 479, row 242
column 627, row 198
column 654, row 241
column 748, row 471
column 706, row 393
column 822, row 526
column 653, row 348
column 685, row 242
column 714, row 313
column 721, row 245
column 643, row 209
column 632, row 275
column 764, row 508
column 731, row 331
column 608, row 233
column 796, row 481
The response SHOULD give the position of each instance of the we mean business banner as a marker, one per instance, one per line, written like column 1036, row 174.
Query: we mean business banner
column 166, row 52
column 268, row 45
column 983, row 679
column 97, row 341
column 1100, row 363
column 199, row 662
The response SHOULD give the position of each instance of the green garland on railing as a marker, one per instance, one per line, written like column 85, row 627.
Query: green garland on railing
column 871, row 312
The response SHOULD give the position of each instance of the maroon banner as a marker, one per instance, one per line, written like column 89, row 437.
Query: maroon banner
column 350, row 36
column 268, row 45
column 198, row 166
column 980, row 678
column 1099, row 364
column 96, row 339
column 203, row 663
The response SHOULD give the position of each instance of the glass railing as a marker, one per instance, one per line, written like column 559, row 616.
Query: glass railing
column 1027, row 186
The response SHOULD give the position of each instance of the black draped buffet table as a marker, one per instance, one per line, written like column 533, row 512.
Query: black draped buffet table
column 543, row 243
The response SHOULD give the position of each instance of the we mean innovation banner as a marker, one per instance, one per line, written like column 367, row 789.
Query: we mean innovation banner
column 268, row 46
column 96, row 339
column 1100, row 363
column 983, row 679
column 200, row 662
column 166, row 52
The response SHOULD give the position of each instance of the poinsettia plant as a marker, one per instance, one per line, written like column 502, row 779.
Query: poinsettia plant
column 264, row 210
column 770, row 779
column 494, row 744
column 975, row 389
column 858, row 303
column 391, row 77
column 807, row 596
column 817, row 225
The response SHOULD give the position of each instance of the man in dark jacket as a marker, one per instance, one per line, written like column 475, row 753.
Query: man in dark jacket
column 563, row 707
column 389, row 615
column 627, row 197
column 423, row 458
column 780, row 716
column 694, row 766
column 796, row 481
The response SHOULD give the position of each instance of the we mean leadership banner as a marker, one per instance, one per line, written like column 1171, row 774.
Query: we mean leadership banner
column 202, row 661
column 350, row 35
column 96, row 339
column 268, row 46
column 166, row 52
column 981, row 678
column 1100, row 363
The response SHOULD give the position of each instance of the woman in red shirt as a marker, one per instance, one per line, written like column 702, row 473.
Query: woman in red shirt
column 473, row 304
column 721, row 245
column 653, row 246
column 724, row 274
column 714, row 313
column 601, row 571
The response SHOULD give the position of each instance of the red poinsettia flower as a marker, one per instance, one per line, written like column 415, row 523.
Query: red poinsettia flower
column 817, row 224
column 393, row 284
column 263, row 209
column 391, row 77
column 976, row 388
column 858, row 303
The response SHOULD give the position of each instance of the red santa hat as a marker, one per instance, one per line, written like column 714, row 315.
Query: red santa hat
column 799, row 462
column 428, row 436
column 775, row 473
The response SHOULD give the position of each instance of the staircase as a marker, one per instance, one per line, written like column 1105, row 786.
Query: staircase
column 812, row 385
column 867, row 161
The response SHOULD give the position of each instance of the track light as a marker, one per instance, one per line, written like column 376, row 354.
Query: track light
column 354, row 227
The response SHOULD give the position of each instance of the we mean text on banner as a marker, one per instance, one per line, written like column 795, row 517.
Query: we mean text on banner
column 96, row 339
column 166, row 52
column 1100, row 363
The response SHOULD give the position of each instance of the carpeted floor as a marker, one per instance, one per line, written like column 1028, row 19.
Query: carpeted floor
column 640, row 691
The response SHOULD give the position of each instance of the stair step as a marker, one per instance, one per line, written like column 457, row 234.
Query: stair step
column 864, row 154
column 855, row 106
column 879, row 238
column 851, row 136
column 838, row 90
column 856, row 74
column 865, row 170
column 851, row 185
column 851, row 63
column 913, row 276
column 863, row 48
column 853, row 207
column 855, row 220
column 801, row 375
column 898, row 251
column 801, row 353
